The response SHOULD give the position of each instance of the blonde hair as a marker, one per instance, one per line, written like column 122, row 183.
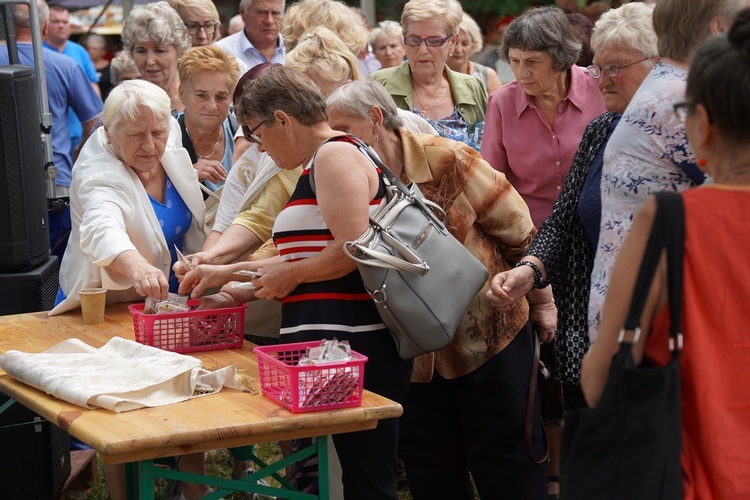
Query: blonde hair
column 208, row 58
column 449, row 11
column 203, row 8
column 322, row 50
column 384, row 28
column 305, row 15
column 471, row 28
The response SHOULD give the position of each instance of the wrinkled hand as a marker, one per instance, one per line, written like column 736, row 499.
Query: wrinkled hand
column 210, row 170
column 543, row 319
column 218, row 301
column 195, row 260
column 508, row 287
column 149, row 281
column 203, row 277
column 277, row 281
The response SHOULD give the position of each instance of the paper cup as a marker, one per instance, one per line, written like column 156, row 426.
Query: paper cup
column 93, row 301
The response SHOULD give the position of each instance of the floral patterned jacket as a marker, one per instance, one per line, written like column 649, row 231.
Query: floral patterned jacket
column 491, row 219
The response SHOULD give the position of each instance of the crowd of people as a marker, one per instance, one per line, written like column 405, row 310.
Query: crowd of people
column 542, row 142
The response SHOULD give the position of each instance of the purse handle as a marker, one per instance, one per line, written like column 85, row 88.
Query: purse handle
column 668, row 230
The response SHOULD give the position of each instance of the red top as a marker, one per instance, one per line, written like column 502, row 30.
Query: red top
column 716, row 353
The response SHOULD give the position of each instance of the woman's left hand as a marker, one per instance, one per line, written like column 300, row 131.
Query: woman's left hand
column 278, row 281
column 543, row 319
column 203, row 277
column 210, row 170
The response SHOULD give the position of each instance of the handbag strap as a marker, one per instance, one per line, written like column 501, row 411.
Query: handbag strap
column 536, row 367
column 668, row 230
column 390, row 177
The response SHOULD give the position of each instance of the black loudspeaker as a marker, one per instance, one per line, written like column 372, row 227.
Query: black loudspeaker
column 24, row 226
column 35, row 461
column 29, row 291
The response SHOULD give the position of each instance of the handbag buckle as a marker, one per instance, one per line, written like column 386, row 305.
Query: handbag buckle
column 379, row 296
column 675, row 342
column 636, row 336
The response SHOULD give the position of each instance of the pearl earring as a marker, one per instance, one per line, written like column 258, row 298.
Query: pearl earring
column 377, row 139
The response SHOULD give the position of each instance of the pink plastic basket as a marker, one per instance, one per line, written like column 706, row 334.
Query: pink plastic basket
column 309, row 387
column 191, row 331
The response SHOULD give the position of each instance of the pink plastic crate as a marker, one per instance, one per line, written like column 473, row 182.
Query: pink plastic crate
column 309, row 387
column 190, row 331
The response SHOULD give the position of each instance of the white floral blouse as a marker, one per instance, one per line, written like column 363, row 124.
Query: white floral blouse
column 648, row 152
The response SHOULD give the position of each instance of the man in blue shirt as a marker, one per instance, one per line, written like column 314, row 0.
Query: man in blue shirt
column 67, row 85
column 58, row 33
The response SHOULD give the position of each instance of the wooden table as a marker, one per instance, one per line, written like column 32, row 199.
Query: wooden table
column 228, row 419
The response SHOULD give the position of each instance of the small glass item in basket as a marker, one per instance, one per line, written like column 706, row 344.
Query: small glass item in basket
column 312, row 376
column 329, row 351
column 173, row 303
column 324, row 387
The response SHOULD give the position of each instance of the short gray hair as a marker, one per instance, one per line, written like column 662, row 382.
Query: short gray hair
column 97, row 39
column 158, row 23
column 244, row 4
column 449, row 11
column 384, row 28
column 544, row 29
column 357, row 98
column 630, row 26
column 22, row 18
column 126, row 100
column 121, row 62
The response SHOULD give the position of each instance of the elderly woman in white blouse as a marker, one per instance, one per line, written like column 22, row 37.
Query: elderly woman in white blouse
column 134, row 196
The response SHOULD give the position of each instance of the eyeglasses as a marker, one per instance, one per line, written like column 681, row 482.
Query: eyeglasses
column 682, row 110
column 193, row 27
column 250, row 134
column 430, row 41
column 611, row 70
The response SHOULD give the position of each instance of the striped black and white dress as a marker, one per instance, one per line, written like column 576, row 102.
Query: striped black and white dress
column 339, row 308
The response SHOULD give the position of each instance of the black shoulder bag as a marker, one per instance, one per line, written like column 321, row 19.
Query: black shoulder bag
column 629, row 446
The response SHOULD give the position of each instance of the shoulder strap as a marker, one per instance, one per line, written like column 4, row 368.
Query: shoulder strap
column 186, row 142
column 674, row 216
column 390, row 177
column 668, row 230
column 234, row 124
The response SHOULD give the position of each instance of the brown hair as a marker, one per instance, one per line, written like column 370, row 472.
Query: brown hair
column 683, row 25
column 281, row 88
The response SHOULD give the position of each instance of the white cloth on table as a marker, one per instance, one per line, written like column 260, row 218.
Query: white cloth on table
column 120, row 376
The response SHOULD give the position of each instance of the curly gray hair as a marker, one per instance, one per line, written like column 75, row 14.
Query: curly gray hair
column 158, row 23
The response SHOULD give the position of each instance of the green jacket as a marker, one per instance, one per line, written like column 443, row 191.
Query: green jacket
column 468, row 92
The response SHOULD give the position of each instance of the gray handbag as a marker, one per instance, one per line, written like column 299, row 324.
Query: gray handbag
column 420, row 276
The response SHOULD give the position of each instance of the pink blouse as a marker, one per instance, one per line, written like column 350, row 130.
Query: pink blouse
column 536, row 158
